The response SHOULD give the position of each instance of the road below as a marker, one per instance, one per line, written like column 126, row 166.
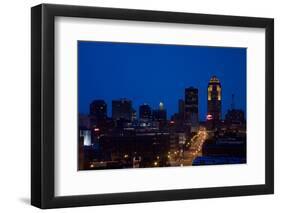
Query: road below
column 195, row 149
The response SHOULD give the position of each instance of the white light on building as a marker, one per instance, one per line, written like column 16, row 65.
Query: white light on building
column 87, row 137
column 161, row 105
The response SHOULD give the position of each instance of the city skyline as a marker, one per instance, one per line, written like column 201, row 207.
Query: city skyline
column 188, row 109
column 152, row 105
column 117, row 60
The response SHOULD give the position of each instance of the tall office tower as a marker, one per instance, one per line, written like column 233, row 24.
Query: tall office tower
column 214, row 100
column 145, row 112
column 122, row 109
column 181, row 107
column 98, row 110
column 191, row 108
column 160, row 114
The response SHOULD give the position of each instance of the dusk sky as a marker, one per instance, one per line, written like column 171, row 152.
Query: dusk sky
column 150, row 73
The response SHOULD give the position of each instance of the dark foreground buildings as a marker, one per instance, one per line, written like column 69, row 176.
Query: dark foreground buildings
column 136, row 149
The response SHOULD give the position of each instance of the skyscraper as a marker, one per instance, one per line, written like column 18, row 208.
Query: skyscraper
column 160, row 114
column 145, row 112
column 122, row 109
column 191, row 108
column 214, row 99
column 98, row 110
column 181, row 107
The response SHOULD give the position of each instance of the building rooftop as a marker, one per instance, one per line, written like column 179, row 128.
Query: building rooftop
column 214, row 79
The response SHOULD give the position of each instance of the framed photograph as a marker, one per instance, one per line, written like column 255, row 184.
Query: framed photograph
column 139, row 106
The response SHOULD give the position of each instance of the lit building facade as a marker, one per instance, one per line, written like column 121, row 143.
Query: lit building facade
column 85, row 136
column 214, row 109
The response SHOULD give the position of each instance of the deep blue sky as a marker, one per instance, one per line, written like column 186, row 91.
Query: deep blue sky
column 150, row 73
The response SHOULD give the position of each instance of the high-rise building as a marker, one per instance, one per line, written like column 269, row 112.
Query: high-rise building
column 181, row 107
column 98, row 110
column 235, row 116
column 214, row 100
column 122, row 109
column 160, row 114
column 145, row 112
column 191, row 108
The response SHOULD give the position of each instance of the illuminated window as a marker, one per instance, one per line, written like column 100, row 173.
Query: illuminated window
column 209, row 92
column 219, row 92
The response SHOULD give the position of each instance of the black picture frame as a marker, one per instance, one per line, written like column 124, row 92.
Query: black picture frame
column 43, row 117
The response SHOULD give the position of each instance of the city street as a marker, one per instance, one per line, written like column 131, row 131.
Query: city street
column 195, row 148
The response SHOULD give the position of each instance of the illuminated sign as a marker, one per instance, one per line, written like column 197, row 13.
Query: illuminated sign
column 209, row 117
